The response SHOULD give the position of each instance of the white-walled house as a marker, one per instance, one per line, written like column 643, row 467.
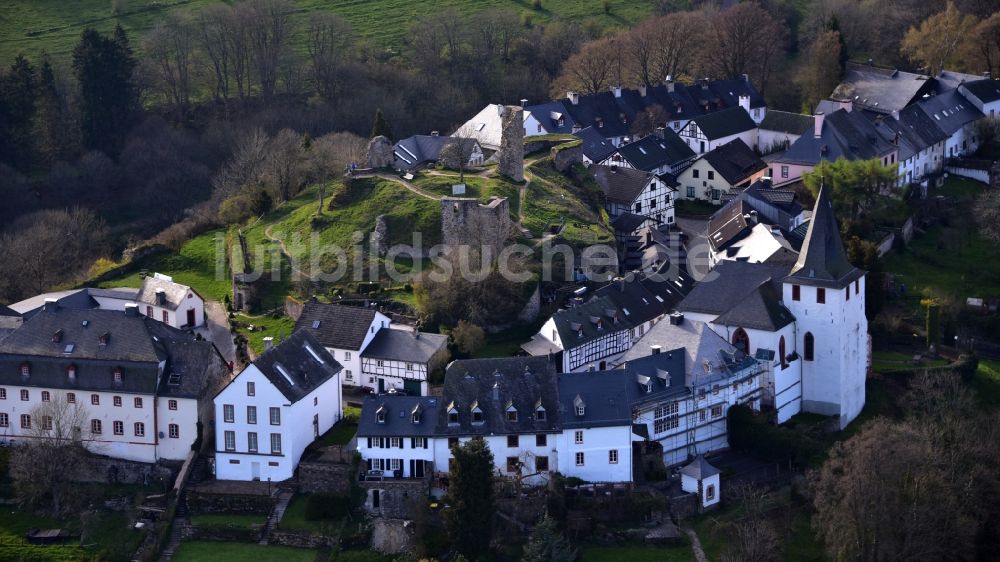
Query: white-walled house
column 136, row 387
column 627, row 190
column 402, row 360
column 344, row 331
column 706, row 132
column 780, row 129
column 984, row 95
column 727, row 167
column 662, row 152
column 279, row 404
column 701, row 478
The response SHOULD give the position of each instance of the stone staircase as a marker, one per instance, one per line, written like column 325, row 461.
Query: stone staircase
column 177, row 531
column 284, row 497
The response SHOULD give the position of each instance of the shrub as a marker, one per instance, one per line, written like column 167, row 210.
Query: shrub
column 607, row 6
column 526, row 19
column 325, row 507
column 536, row 4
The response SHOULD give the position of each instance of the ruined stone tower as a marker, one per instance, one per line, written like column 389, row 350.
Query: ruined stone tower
column 511, row 155
column 466, row 221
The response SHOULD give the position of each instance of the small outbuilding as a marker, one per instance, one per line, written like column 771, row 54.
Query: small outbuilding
column 700, row 477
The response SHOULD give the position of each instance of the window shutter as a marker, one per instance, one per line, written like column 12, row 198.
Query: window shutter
column 413, row 442
column 369, row 464
column 401, row 444
column 369, row 442
column 425, row 442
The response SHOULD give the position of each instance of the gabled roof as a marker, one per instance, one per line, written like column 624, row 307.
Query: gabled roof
column 786, row 122
column 822, row 260
column 628, row 223
column 949, row 80
column 398, row 412
column 297, row 366
column 402, row 345
column 950, row 111
column 417, row 150
column 74, row 298
column 696, row 342
column 129, row 338
column 725, row 122
column 174, row 293
column 845, row 134
column 734, row 161
column 548, row 114
column 619, row 183
column 728, row 224
column 494, row 385
column 730, row 283
column 986, row 90
column 336, row 325
column 699, row 469
column 602, row 111
column 663, row 148
column 603, row 394
column 761, row 309
column 880, row 89
column 595, row 146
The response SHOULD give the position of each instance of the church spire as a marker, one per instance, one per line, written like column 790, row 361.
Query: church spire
column 822, row 260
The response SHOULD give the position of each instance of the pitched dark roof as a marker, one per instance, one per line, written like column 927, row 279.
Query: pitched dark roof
column 399, row 412
column 603, row 394
column 595, row 146
column 985, row 90
column 174, row 293
column 129, row 338
column 729, row 284
column 627, row 223
column 193, row 367
column 734, row 161
column 298, row 365
column 413, row 152
column 822, row 260
column 401, row 345
column 339, row 326
column 950, row 111
column 120, row 293
column 726, row 122
column 7, row 311
column 493, row 385
column 548, row 115
column 699, row 469
column 760, row 309
column 729, row 224
column 663, row 148
column 74, row 298
column 845, row 134
column 880, row 89
column 620, row 184
column 786, row 122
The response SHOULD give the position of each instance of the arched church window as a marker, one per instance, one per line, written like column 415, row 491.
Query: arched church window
column 781, row 352
column 807, row 346
column 741, row 340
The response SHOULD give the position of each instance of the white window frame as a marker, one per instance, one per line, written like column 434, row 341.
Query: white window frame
column 228, row 413
column 580, row 458
column 578, row 437
column 613, row 456
column 230, row 440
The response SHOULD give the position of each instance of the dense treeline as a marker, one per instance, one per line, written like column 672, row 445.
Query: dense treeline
column 221, row 113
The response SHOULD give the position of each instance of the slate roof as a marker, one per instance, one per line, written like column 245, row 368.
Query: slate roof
column 725, row 122
column 121, row 293
column 417, row 150
column 339, row 326
column 949, row 80
column 986, row 90
column 595, row 146
column 734, row 161
column 174, row 293
column 297, row 366
column 7, row 311
column 700, row 469
column 628, row 223
column 880, row 89
column 548, row 114
column 845, row 134
column 693, row 340
column 786, row 122
column 604, row 395
column 493, row 385
column 666, row 372
column 654, row 151
column 729, row 284
column 760, row 309
column 134, row 343
column 822, row 260
column 729, row 224
column 950, row 111
column 620, row 184
column 401, row 345
column 398, row 419
column 74, row 298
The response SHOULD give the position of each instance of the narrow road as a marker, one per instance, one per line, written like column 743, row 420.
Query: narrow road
column 402, row 182
column 284, row 251
column 699, row 553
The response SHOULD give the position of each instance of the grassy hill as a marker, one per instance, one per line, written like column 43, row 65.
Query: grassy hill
column 31, row 26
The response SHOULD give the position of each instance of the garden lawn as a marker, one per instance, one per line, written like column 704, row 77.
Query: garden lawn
column 637, row 554
column 31, row 26
column 200, row 264
column 551, row 198
column 987, row 382
column 958, row 264
column 264, row 326
column 475, row 187
column 883, row 361
column 295, row 518
column 108, row 538
column 340, row 434
column 202, row 551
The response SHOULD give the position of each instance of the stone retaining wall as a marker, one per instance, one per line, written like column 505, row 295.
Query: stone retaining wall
column 324, row 478
column 201, row 502
column 299, row 539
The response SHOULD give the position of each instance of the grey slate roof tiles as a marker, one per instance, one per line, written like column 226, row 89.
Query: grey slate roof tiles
column 620, row 184
column 298, row 365
column 822, row 260
column 336, row 325
column 730, row 121
column 401, row 345
column 735, row 161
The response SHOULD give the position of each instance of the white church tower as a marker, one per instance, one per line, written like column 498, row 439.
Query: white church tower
column 827, row 296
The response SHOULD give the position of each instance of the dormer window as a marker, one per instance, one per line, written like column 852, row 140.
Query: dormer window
column 540, row 413
column 104, row 339
column 380, row 414
column 415, row 414
column 579, row 406
column 645, row 383
column 452, row 414
column 25, row 370
column 117, row 374
column 511, row 413
column 57, row 336
column 477, row 413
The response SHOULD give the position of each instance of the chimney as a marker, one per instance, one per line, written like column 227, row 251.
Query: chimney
column 577, row 128
column 660, row 132
column 704, row 83
column 161, row 296
column 818, row 125
column 132, row 310
column 524, row 102
column 655, row 349
column 573, row 97
column 642, row 90
column 753, row 217
column 435, row 133
column 617, row 91
column 621, row 283
column 745, row 102
column 51, row 305
column 268, row 343
column 676, row 319
column 746, row 78
column 895, row 114
column 670, row 84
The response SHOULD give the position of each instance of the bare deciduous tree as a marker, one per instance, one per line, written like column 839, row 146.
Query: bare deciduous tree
column 283, row 164
column 329, row 45
column 169, row 50
column 742, row 39
column 245, row 168
column 595, row 68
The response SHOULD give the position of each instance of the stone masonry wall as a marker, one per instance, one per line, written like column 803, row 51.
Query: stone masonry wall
column 395, row 497
column 119, row 471
column 511, row 154
column 326, row 478
column 466, row 221
column 564, row 158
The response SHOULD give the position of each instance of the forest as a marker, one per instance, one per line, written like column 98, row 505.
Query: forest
column 219, row 112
